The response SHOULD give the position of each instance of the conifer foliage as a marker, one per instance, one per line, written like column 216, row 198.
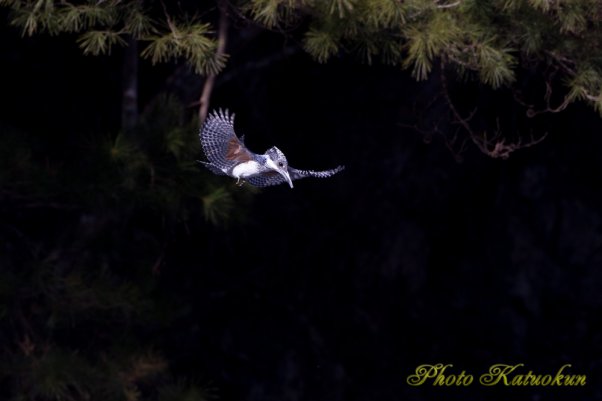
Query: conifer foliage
column 489, row 40
column 78, row 274
column 101, row 25
column 79, row 295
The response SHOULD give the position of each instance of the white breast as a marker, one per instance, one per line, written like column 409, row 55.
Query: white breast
column 246, row 169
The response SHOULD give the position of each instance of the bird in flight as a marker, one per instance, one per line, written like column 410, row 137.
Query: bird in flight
column 228, row 155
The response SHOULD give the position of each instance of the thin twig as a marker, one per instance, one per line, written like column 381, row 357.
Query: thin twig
column 495, row 147
column 452, row 107
column 532, row 111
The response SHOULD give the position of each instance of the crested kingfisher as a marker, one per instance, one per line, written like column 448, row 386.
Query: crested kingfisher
column 228, row 155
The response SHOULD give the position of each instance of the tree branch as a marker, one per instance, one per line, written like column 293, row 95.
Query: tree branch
column 221, row 47
column 459, row 119
column 532, row 111
column 496, row 146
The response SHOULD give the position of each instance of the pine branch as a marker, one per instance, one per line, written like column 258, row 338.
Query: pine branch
column 188, row 40
column 495, row 65
column 139, row 24
column 265, row 12
column 76, row 18
column 217, row 205
column 341, row 7
column 321, row 45
column 100, row 42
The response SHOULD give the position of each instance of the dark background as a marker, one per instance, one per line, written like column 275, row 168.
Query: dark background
column 340, row 288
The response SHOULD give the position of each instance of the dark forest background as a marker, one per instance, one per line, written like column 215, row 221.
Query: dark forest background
column 120, row 278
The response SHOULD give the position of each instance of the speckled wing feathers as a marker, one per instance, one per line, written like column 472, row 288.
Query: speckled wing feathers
column 222, row 147
column 224, row 151
column 273, row 178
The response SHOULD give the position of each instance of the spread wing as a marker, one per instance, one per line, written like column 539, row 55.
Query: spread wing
column 273, row 178
column 222, row 147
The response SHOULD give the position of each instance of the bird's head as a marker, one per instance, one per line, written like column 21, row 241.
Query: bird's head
column 277, row 162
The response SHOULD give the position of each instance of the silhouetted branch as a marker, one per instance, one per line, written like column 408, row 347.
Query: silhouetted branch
column 496, row 146
column 532, row 111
